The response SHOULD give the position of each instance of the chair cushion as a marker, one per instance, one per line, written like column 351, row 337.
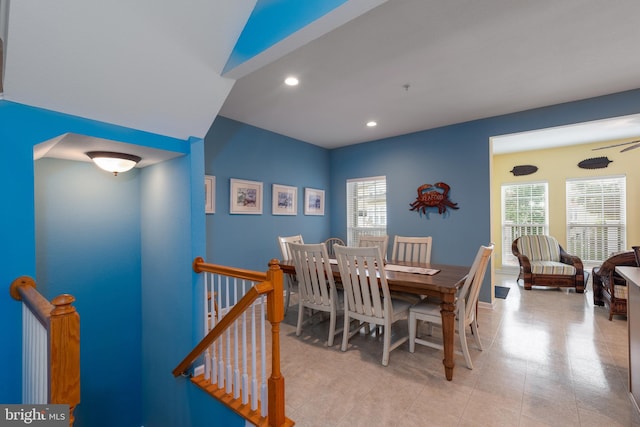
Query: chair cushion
column 550, row 267
column 620, row 291
column 539, row 248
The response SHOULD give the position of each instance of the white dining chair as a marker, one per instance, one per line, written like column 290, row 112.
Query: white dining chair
column 412, row 249
column 289, row 279
column 366, row 295
column 316, row 286
column 379, row 241
column 465, row 309
column 332, row 241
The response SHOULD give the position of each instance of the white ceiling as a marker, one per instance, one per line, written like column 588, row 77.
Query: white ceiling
column 461, row 60
column 411, row 65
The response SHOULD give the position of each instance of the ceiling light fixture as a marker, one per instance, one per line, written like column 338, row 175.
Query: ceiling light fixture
column 113, row 162
column 372, row 124
column 291, row 81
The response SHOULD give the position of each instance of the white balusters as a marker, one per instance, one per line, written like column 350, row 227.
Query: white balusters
column 35, row 355
column 236, row 362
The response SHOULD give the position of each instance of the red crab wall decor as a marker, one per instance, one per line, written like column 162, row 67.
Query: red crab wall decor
column 433, row 196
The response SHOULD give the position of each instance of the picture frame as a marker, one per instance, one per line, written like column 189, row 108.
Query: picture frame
column 284, row 200
column 245, row 197
column 209, row 194
column 313, row 201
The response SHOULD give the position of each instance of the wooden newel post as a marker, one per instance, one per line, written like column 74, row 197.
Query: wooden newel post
column 275, row 315
column 64, row 354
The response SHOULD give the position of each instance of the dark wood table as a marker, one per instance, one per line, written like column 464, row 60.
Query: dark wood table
column 442, row 285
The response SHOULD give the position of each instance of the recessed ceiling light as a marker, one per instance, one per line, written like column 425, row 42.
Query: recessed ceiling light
column 291, row 81
column 372, row 124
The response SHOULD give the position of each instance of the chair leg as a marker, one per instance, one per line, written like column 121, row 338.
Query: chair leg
column 300, row 316
column 287, row 293
column 463, row 343
column 476, row 335
column 345, row 333
column 332, row 328
column 413, row 325
column 385, row 350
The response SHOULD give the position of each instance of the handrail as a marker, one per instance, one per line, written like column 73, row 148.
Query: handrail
column 271, row 285
column 233, row 314
column 62, row 323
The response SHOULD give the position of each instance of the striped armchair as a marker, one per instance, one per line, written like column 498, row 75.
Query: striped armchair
column 543, row 262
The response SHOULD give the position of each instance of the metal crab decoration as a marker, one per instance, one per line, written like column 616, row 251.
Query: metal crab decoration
column 433, row 196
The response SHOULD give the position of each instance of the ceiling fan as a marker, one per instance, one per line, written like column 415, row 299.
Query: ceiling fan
column 636, row 144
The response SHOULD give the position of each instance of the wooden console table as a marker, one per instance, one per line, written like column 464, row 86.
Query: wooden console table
column 632, row 276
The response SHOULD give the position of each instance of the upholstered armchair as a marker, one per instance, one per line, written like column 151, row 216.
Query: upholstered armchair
column 543, row 262
column 609, row 286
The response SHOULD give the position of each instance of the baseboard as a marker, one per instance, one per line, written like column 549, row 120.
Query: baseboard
column 487, row 305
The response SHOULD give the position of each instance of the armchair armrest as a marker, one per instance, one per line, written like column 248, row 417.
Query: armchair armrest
column 522, row 259
column 573, row 260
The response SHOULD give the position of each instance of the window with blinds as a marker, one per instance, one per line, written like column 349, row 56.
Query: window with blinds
column 366, row 208
column 596, row 217
column 524, row 212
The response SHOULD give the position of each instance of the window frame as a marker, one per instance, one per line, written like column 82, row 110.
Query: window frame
column 517, row 229
column 378, row 226
column 600, row 237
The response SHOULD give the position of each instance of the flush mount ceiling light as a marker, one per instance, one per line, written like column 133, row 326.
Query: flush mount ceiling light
column 372, row 124
column 291, row 81
column 113, row 162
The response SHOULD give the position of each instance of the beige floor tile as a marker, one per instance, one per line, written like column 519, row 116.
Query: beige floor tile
column 551, row 358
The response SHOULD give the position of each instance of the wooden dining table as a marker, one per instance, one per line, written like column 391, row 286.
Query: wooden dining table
column 443, row 286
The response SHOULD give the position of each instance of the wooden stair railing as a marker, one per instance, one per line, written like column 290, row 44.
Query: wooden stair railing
column 59, row 348
column 267, row 284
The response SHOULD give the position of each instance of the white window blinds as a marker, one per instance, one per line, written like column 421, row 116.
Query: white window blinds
column 366, row 208
column 596, row 217
column 524, row 212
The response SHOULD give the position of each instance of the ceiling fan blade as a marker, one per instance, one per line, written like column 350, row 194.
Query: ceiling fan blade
column 616, row 145
column 631, row 147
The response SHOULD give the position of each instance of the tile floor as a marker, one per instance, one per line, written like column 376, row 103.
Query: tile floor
column 551, row 358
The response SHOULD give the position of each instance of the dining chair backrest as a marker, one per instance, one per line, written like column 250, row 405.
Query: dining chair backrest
column 332, row 241
column 413, row 249
column 379, row 241
column 313, row 270
column 364, row 282
column 468, row 293
column 284, row 245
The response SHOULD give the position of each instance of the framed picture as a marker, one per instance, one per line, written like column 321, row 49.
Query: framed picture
column 284, row 200
column 209, row 194
column 246, row 197
column 313, row 201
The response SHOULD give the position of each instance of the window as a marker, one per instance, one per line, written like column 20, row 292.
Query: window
column 366, row 208
column 524, row 212
column 596, row 217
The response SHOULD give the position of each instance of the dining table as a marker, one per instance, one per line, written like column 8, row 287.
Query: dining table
column 442, row 285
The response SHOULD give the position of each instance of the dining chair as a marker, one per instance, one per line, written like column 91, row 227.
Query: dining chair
column 380, row 241
column 289, row 280
column 413, row 249
column 465, row 310
column 316, row 286
column 332, row 241
column 366, row 295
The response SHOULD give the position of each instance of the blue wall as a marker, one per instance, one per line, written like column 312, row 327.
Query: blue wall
column 123, row 246
column 459, row 156
column 88, row 245
column 237, row 150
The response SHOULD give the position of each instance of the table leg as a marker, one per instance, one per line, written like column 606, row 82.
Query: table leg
column 447, row 308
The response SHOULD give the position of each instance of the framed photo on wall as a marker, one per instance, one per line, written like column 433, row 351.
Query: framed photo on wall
column 209, row 194
column 246, row 197
column 313, row 201
column 284, row 200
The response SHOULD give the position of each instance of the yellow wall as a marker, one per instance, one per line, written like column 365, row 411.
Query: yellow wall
column 557, row 165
